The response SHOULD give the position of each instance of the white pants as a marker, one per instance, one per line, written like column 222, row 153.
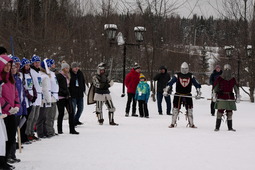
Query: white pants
column 3, row 137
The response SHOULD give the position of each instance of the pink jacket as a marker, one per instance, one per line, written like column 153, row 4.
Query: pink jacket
column 8, row 92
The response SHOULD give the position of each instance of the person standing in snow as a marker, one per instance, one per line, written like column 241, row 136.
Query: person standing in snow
column 30, row 95
column 131, row 81
column 41, row 126
column 54, row 98
column 102, row 94
column 224, row 97
column 216, row 73
column 142, row 96
column 63, row 78
column 184, row 81
column 35, row 110
column 162, row 79
column 10, row 104
column 77, row 89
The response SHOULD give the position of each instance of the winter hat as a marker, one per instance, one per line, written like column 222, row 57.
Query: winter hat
column 51, row 61
column 136, row 66
column 64, row 65
column 74, row 64
column 15, row 59
column 45, row 65
column 217, row 66
column 24, row 61
column 2, row 50
column 35, row 58
column 142, row 76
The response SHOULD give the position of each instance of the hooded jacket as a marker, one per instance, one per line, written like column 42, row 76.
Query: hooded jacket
column 77, row 84
column 131, row 81
column 9, row 95
column 162, row 79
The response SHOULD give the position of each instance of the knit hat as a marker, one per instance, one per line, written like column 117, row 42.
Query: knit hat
column 142, row 76
column 15, row 59
column 35, row 58
column 50, row 62
column 74, row 64
column 217, row 66
column 64, row 65
column 24, row 61
column 136, row 66
column 162, row 67
column 2, row 50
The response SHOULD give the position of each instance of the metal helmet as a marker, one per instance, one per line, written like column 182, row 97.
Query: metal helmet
column 100, row 66
column 227, row 67
column 184, row 68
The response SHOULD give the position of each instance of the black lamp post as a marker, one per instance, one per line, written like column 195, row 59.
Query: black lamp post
column 110, row 30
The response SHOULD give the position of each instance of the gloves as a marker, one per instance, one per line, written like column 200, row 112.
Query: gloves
column 2, row 116
column 214, row 98
column 199, row 93
column 13, row 110
column 166, row 91
column 111, row 83
column 238, row 98
column 34, row 99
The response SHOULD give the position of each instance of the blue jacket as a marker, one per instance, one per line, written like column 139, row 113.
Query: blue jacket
column 20, row 88
column 142, row 91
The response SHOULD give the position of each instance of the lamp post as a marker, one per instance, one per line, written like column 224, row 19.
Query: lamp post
column 110, row 30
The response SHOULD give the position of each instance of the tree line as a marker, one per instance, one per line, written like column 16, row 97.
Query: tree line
column 63, row 30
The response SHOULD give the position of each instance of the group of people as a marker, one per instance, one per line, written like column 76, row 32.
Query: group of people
column 31, row 92
column 223, row 97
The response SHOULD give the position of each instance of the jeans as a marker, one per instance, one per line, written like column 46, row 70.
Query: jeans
column 168, row 103
column 77, row 102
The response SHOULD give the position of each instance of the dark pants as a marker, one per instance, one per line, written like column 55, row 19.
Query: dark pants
column 77, row 102
column 11, row 128
column 168, row 103
column 131, row 97
column 143, row 108
column 62, row 104
column 41, row 122
column 23, row 128
column 212, row 108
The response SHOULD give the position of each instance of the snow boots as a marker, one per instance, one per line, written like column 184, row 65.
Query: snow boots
column 4, row 165
column 218, row 122
column 230, row 128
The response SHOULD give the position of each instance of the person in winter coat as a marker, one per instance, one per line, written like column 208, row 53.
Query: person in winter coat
column 41, row 124
column 77, row 89
column 63, row 78
column 131, row 81
column 54, row 98
column 102, row 94
column 30, row 96
column 9, row 101
column 3, row 137
column 216, row 73
column 184, row 81
column 224, row 97
column 162, row 79
column 35, row 110
column 11, row 158
column 142, row 96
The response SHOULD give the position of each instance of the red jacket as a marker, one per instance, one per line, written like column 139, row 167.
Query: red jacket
column 131, row 81
column 8, row 94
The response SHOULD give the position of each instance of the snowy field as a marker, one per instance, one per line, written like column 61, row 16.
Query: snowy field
column 148, row 144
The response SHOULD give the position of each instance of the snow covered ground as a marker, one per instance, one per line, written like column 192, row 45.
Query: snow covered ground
column 148, row 144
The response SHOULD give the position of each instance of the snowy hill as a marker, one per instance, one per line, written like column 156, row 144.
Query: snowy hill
column 148, row 144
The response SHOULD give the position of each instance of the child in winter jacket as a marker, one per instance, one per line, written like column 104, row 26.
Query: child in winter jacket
column 142, row 96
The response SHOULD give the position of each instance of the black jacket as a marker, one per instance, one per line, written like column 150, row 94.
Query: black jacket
column 162, row 79
column 63, row 89
column 214, row 76
column 77, row 89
